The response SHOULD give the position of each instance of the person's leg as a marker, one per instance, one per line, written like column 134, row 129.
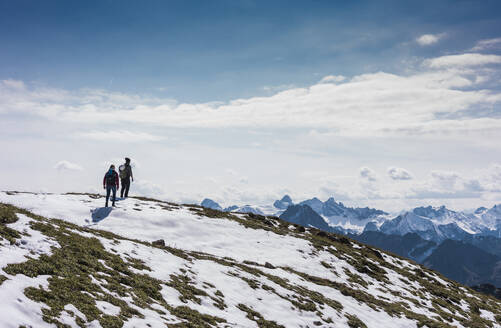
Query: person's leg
column 114, row 189
column 108, row 189
column 122, row 189
column 127, row 186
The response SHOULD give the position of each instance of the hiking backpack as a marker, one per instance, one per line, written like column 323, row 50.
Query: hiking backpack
column 123, row 171
column 110, row 179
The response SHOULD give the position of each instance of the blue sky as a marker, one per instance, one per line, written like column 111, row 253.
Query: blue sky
column 390, row 104
column 201, row 51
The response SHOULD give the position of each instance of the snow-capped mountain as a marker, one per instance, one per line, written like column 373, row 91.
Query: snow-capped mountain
column 283, row 203
column 490, row 220
column 423, row 226
column 315, row 203
column 66, row 261
column 209, row 203
column 304, row 216
column 431, row 223
column 440, row 223
column 245, row 209
column 345, row 218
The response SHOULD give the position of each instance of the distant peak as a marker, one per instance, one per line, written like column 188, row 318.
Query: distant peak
column 480, row 210
column 286, row 199
column 282, row 204
column 331, row 200
column 209, row 203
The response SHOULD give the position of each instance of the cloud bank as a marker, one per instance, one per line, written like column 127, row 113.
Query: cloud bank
column 376, row 104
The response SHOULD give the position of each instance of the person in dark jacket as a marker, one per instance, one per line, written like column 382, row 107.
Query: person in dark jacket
column 125, row 176
column 110, row 183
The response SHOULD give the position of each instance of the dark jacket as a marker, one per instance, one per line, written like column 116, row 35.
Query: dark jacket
column 113, row 178
column 127, row 172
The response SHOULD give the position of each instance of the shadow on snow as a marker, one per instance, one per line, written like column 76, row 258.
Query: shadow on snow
column 100, row 213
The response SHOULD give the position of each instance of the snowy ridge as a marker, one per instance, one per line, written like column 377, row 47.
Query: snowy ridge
column 335, row 214
column 156, row 264
column 431, row 223
column 440, row 223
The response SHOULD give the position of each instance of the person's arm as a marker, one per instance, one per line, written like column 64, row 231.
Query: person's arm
column 132, row 177
column 104, row 182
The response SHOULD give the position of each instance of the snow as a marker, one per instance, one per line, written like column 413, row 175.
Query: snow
column 107, row 308
column 487, row 315
column 69, row 315
column 184, row 229
column 15, row 305
column 180, row 229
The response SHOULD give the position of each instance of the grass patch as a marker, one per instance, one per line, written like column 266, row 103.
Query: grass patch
column 354, row 321
column 186, row 288
column 72, row 267
column 8, row 216
column 258, row 318
column 74, row 270
column 2, row 279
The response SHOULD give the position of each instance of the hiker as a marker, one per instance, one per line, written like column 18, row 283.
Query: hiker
column 125, row 176
column 110, row 183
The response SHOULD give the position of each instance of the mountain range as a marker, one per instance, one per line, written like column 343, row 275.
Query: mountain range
column 336, row 214
column 431, row 223
column 428, row 235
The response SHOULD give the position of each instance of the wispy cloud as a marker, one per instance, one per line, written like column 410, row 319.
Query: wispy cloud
column 429, row 39
column 397, row 173
column 13, row 84
column 277, row 88
column 368, row 174
column 65, row 165
column 332, row 79
column 463, row 60
column 125, row 136
column 488, row 44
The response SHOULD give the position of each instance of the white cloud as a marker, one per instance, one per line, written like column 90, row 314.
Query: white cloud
column 463, row 60
column 124, row 136
column 429, row 39
column 445, row 179
column 368, row 174
column 67, row 166
column 277, row 88
column 13, row 84
column 332, row 79
column 397, row 173
column 148, row 189
column 487, row 44
column 366, row 105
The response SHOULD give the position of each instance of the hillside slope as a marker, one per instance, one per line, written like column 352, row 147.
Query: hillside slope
column 66, row 261
column 466, row 263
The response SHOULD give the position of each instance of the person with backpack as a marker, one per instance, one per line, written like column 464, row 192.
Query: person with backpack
column 125, row 176
column 110, row 183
